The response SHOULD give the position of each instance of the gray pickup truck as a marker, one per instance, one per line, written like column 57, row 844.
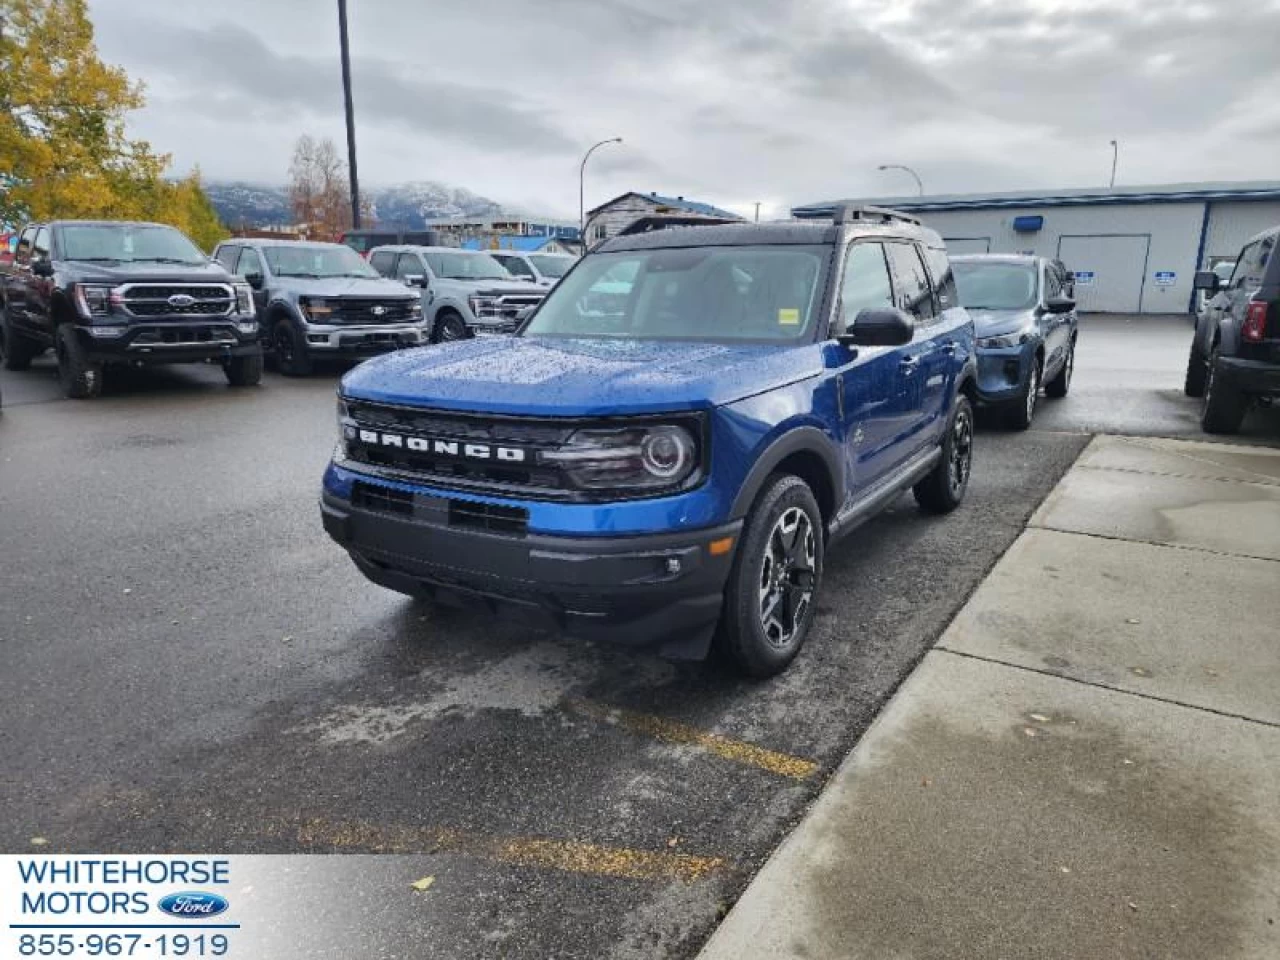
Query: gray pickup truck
column 465, row 293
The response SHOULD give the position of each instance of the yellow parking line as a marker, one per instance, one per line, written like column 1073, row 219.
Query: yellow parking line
column 671, row 731
column 567, row 855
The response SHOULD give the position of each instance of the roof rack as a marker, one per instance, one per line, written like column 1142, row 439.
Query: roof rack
column 850, row 212
column 648, row 224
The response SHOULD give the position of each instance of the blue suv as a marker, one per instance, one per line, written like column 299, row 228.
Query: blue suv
column 668, row 464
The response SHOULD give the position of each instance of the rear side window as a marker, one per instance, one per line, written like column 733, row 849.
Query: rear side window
column 914, row 294
column 1052, row 282
column 1254, row 258
column 944, row 278
column 384, row 261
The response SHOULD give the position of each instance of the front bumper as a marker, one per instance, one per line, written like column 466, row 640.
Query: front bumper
column 177, row 340
column 1003, row 373
column 659, row 590
column 364, row 339
column 1255, row 377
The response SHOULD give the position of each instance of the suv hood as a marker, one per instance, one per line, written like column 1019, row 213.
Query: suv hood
column 993, row 323
column 136, row 272
column 555, row 377
column 337, row 287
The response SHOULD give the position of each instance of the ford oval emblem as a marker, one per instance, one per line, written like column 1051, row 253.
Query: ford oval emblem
column 193, row 906
column 181, row 300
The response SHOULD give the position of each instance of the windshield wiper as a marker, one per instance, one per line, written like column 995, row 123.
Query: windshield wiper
column 189, row 263
column 310, row 276
column 95, row 259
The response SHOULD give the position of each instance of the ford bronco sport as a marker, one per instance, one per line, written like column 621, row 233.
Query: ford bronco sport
column 669, row 466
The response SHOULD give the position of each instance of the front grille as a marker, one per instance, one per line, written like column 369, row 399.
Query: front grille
column 165, row 300
column 172, row 336
column 490, row 517
column 372, row 311
column 508, row 306
column 512, row 521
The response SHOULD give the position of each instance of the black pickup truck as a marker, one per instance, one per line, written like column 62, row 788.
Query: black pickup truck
column 111, row 292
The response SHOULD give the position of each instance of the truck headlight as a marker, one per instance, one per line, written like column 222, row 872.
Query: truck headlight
column 1014, row 338
column 346, row 429
column 315, row 308
column 93, row 300
column 645, row 457
column 244, row 300
column 484, row 306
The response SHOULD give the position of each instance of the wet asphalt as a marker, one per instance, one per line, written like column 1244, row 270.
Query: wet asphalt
column 187, row 663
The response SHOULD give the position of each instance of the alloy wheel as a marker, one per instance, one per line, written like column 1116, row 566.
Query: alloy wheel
column 1033, row 388
column 787, row 577
column 961, row 451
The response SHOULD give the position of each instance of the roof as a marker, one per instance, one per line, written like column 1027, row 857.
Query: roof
column 422, row 248
column 676, row 203
column 280, row 242
column 778, row 232
column 994, row 258
column 1166, row 193
column 515, row 244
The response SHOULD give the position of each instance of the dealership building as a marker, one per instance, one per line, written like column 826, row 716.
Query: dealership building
column 1132, row 249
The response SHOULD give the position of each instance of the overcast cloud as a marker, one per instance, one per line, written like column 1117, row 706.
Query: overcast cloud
column 729, row 101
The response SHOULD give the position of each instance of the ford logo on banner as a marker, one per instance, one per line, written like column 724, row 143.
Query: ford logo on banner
column 193, row 906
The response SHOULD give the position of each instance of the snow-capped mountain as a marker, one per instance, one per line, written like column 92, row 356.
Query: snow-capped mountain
column 405, row 204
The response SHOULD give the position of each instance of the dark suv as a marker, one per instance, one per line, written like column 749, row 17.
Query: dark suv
column 669, row 461
column 111, row 292
column 1235, row 353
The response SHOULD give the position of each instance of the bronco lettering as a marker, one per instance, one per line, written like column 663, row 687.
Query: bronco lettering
column 451, row 448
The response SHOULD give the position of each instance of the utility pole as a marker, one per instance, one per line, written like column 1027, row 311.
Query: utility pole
column 757, row 211
column 351, row 117
column 1115, row 159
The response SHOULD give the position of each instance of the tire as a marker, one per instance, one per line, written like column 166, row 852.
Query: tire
column 17, row 350
column 944, row 487
column 81, row 378
column 245, row 371
column 1020, row 413
column 449, row 326
column 1224, row 409
column 1197, row 373
column 292, row 356
column 1060, row 384
column 771, row 596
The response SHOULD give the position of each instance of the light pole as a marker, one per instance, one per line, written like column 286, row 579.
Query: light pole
column 1115, row 159
column 351, row 117
column 582, row 172
column 757, row 211
column 898, row 166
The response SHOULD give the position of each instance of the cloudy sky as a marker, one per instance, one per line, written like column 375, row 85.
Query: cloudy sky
column 729, row 101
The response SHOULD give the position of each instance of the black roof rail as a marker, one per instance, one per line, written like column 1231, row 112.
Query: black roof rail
column 648, row 224
column 850, row 212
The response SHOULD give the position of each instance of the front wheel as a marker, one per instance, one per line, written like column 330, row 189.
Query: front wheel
column 449, row 327
column 81, row 377
column 942, row 490
column 1061, row 383
column 770, row 599
column 245, row 371
column 291, row 351
column 1022, row 410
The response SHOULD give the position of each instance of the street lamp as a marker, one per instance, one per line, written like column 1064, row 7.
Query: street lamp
column 898, row 166
column 1115, row 159
column 351, row 119
column 582, row 171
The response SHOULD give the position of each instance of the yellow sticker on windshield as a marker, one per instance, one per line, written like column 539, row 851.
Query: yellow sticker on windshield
column 789, row 317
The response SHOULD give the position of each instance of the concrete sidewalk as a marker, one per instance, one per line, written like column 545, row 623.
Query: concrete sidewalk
column 1087, row 765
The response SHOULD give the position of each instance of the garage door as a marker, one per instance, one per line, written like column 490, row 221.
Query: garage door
column 959, row 245
column 1109, row 270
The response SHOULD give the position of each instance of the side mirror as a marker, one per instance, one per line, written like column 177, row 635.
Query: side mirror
column 879, row 327
column 42, row 268
column 254, row 280
column 1060, row 304
column 415, row 280
column 1208, row 281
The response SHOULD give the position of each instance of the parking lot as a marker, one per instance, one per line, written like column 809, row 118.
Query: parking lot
column 187, row 661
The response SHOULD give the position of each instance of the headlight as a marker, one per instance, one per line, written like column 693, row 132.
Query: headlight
column 315, row 308
column 483, row 306
column 244, row 299
column 93, row 300
column 1006, row 340
column 346, row 430
column 647, row 458
column 415, row 309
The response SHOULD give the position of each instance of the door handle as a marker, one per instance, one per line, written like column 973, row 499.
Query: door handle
column 909, row 363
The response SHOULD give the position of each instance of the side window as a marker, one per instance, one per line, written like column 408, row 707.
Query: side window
column 384, row 261
column 23, row 253
column 944, row 279
column 1253, row 261
column 517, row 267
column 914, row 295
column 1052, row 282
column 408, row 266
column 226, row 255
column 40, row 247
column 358, row 242
column 250, row 264
column 866, row 283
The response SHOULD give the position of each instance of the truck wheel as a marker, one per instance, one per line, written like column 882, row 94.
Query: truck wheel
column 244, row 371
column 1197, row 373
column 1224, row 408
column 81, row 378
column 291, row 350
column 943, row 489
column 1059, row 385
column 771, row 596
column 1021, row 411
column 448, row 326
column 17, row 350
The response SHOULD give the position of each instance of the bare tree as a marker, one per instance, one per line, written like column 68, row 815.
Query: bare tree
column 318, row 189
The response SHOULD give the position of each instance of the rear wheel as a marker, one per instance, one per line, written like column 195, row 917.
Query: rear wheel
column 942, row 490
column 290, row 349
column 449, row 326
column 1059, row 385
column 244, row 371
column 1197, row 373
column 81, row 378
column 1022, row 410
column 1224, row 408
column 15, row 349
column 770, row 600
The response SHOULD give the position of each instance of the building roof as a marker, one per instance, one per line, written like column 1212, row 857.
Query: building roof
column 676, row 203
column 514, row 243
column 1093, row 196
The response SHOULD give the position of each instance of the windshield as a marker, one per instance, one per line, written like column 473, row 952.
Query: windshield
column 996, row 286
column 699, row 293
column 466, row 266
column 552, row 266
column 317, row 260
column 126, row 243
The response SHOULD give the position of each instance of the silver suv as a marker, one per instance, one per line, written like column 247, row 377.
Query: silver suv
column 465, row 293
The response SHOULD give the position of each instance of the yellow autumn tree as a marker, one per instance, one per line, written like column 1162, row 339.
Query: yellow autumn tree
column 64, row 151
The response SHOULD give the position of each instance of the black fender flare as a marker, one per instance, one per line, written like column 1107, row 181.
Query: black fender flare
column 806, row 439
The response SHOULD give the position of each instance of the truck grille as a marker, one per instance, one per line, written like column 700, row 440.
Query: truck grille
column 178, row 299
column 371, row 311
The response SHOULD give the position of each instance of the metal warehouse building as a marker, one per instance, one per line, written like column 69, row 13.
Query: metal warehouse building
column 1133, row 249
